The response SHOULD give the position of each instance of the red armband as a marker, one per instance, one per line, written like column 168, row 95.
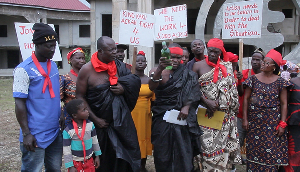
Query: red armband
column 281, row 124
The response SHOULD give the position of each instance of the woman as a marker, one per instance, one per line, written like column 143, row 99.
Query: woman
column 293, row 121
column 185, row 56
column 264, row 116
column 76, row 58
column 141, row 114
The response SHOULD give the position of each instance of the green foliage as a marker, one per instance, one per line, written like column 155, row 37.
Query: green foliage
column 87, row 53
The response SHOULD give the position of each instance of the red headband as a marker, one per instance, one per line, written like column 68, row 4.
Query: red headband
column 218, row 43
column 176, row 50
column 73, row 52
column 232, row 57
column 141, row 53
column 276, row 56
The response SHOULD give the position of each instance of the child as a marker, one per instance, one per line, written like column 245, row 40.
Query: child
column 80, row 140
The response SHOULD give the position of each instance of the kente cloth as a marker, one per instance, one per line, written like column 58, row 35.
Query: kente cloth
column 220, row 148
column 293, row 121
column 142, row 118
column 175, row 145
column 67, row 93
column 118, row 142
column 264, row 148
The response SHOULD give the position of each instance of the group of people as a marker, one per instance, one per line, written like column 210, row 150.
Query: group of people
column 112, row 119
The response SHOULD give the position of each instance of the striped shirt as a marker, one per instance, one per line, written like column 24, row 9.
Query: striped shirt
column 72, row 145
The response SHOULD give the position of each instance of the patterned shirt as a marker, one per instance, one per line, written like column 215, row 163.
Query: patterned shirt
column 72, row 145
column 43, row 112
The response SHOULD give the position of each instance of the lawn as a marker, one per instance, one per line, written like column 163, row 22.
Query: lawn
column 10, row 155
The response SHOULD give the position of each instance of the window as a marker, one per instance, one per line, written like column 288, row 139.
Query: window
column 84, row 30
column 191, row 20
column 107, row 25
column 3, row 30
column 13, row 58
column 288, row 13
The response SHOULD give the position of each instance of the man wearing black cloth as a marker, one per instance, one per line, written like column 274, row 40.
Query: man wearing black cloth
column 197, row 47
column 111, row 92
column 174, row 89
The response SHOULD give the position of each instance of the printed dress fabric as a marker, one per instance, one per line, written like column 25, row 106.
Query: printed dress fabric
column 293, row 121
column 265, row 151
column 220, row 148
column 142, row 118
column 67, row 93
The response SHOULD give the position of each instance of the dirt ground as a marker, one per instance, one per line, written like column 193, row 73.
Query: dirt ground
column 10, row 155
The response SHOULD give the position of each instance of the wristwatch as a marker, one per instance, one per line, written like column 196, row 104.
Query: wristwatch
column 25, row 134
column 151, row 77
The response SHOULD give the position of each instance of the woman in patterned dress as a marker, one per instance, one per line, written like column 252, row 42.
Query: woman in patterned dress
column 76, row 59
column 264, row 116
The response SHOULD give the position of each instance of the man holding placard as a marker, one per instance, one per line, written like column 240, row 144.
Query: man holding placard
column 177, row 93
column 220, row 147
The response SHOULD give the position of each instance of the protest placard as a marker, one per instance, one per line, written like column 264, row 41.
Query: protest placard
column 242, row 19
column 24, row 34
column 171, row 22
column 136, row 28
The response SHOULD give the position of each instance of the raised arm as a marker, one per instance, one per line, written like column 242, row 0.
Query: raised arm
column 81, row 87
column 155, row 74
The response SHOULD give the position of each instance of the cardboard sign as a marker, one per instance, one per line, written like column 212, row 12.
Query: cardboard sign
column 136, row 28
column 24, row 34
column 242, row 19
column 171, row 22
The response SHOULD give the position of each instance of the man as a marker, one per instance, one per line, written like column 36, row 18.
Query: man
column 197, row 47
column 37, row 104
column 111, row 92
column 174, row 89
column 121, row 55
column 219, row 147
column 257, row 57
column 285, row 74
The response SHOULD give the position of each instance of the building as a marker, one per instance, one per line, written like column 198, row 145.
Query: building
column 280, row 26
column 71, row 22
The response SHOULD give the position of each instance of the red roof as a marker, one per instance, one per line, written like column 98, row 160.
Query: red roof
column 73, row 5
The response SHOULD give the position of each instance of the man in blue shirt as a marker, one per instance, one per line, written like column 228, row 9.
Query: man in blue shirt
column 37, row 104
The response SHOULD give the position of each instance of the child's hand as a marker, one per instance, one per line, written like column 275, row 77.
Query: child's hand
column 72, row 169
column 97, row 162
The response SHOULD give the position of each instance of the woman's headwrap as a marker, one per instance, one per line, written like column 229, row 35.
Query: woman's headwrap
column 218, row 43
column 141, row 53
column 76, row 50
column 276, row 56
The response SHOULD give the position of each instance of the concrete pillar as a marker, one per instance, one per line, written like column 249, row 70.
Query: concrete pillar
column 93, row 26
column 146, row 6
column 117, row 6
column 44, row 20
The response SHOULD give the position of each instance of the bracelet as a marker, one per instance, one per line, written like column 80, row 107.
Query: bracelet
column 25, row 134
column 281, row 124
column 151, row 77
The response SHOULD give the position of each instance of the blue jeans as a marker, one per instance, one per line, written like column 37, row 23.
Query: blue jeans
column 51, row 157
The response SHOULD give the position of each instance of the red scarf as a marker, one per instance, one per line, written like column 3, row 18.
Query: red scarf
column 74, row 73
column 217, row 66
column 43, row 73
column 111, row 68
column 198, row 60
column 82, row 135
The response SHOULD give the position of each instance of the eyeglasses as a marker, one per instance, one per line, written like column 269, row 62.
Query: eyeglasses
column 266, row 63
